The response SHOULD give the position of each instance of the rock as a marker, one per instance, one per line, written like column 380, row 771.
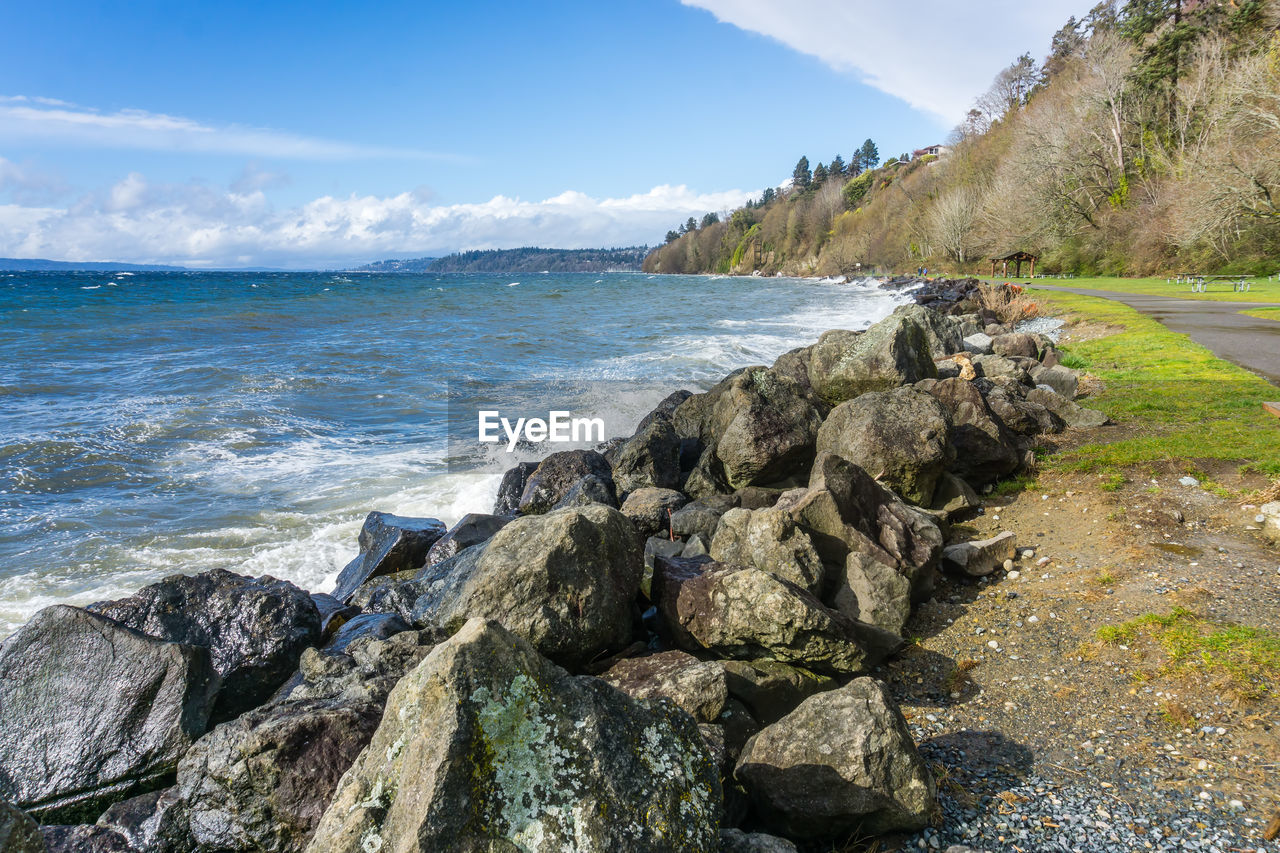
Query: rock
column 388, row 544
column 1071, row 413
column 650, row 458
column 737, row 841
column 770, row 689
column 697, row 546
column 1060, row 379
column 943, row 333
column 696, row 686
column 978, row 343
column 487, row 746
column 841, row 762
column 150, row 823
column 1017, row 344
column 83, row 838
column 393, row 593
column 768, row 540
column 702, row 515
column 1020, row 416
column 586, row 491
column 997, row 366
column 254, row 628
column 764, row 425
column 362, row 673
column 984, row 450
column 650, row 509
column 472, row 529
column 333, row 613
column 900, row 436
column 512, row 487
column 565, row 581
column 757, row 497
column 18, row 832
column 706, row 479
column 981, row 557
column 556, row 476
column 91, row 711
column 739, row 612
column 261, row 782
column 376, row 626
column 1190, row 482
column 954, row 496
column 665, row 409
column 896, row 351
column 1270, row 513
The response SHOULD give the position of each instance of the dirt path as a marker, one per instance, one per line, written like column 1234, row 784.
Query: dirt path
column 1251, row 342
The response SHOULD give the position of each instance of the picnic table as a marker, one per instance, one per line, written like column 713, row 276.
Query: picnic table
column 1200, row 283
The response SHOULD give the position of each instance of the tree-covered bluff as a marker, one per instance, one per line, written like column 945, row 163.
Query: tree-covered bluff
column 526, row 259
column 1147, row 141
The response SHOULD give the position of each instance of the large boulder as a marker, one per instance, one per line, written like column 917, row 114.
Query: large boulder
column 511, row 487
column 388, row 544
column 91, row 710
column 740, row 612
column 1072, row 413
column 18, row 832
column 842, row 762
column 980, row 557
column 769, row 540
column 984, row 450
column 254, row 628
column 488, row 746
column 944, row 334
column 1016, row 344
column 900, row 436
column 472, row 529
column 764, row 427
column 650, row 509
column 896, row 351
column 565, row 581
column 556, row 477
column 694, row 685
column 649, row 458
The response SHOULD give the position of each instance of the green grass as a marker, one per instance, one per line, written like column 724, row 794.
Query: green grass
column 1261, row 290
column 1177, row 400
column 1264, row 313
column 1248, row 658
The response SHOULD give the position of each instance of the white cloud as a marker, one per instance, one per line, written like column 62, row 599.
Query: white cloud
column 46, row 120
column 937, row 55
column 197, row 225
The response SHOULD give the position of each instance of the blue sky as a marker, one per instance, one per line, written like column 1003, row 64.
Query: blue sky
column 322, row 134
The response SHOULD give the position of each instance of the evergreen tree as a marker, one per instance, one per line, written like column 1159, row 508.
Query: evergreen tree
column 837, row 169
column 691, row 225
column 673, row 236
column 819, row 175
column 710, row 219
column 869, row 155
column 767, row 196
column 801, row 177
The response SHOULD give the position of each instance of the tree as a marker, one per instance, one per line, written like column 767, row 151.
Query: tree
column 869, row 155
column 819, row 175
column 691, row 225
column 710, row 219
column 673, row 236
column 767, row 196
column 801, row 177
column 951, row 222
column 856, row 188
column 837, row 168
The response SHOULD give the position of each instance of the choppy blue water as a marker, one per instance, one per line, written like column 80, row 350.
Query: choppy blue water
column 175, row 422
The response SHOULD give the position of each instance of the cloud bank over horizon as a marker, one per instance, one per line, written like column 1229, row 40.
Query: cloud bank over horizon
column 938, row 61
column 197, row 225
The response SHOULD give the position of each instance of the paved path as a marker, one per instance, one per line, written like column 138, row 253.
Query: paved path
column 1251, row 342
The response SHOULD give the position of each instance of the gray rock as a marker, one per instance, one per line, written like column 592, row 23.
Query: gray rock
column 254, row 628
column 978, row 343
column 764, row 426
column 472, row 529
column 771, row 689
column 737, row 841
column 1017, row 344
column 388, row 544
column 702, row 515
column 556, row 476
column 698, row 545
column 566, row 581
column 18, row 832
column 650, row 509
column 512, row 487
column 944, row 333
column 83, row 838
column 333, row 613
column 694, row 685
column 768, row 540
column 954, row 496
column 91, row 711
column 896, row 351
column 1072, row 414
column 586, row 491
column 984, row 450
column 899, row 436
column 487, row 746
column 1061, row 379
column 979, row 557
column 150, row 823
column 842, row 761
column 650, row 458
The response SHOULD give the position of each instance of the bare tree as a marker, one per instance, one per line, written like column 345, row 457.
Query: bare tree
column 952, row 219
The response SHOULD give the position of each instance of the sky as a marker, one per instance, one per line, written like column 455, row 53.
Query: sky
column 325, row 134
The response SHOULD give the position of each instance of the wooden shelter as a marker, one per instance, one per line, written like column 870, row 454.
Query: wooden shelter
column 1017, row 258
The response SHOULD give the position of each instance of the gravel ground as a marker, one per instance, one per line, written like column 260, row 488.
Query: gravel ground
column 1050, row 327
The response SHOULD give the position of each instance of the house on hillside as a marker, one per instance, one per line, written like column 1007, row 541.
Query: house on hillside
column 935, row 150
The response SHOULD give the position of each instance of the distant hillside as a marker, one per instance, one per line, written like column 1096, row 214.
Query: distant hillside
column 42, row 265
column 528, row 259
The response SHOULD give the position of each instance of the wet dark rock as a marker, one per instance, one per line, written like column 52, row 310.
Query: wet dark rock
column 650, row 458
column 472, row 529
column 333, row 613
column 19, row 833
column 512, row 487
column 557, row 476
column 100, row 685
column 151, row 823
column 83, row 838
column 254, row 628
column 388, row 544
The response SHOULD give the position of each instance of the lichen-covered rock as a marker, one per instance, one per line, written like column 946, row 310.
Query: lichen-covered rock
column 740, row 612
column 896, row 351
column 764, row 427
column 650, row 509
column 772, row 689
column 943, row 333
column 842, row 761
column 472, row 529
column 566, row 581
column 488, row 746
column 388, row 544
column 984, row 450
column 650, row 458
column 557, row 475
column 18, row 832
column 254, row 628
column 899, row 436
column 91, row 710
column 769, row 540
column 694, row 685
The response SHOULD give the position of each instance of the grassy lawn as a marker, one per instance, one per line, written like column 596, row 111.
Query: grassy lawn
column 1176, row 399
column 1261, row 291
column 1264, row 313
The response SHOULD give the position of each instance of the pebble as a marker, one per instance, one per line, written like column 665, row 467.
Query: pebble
column 1008, row 565
column 1042, row 562
column 1188, row 481
column 1014, row 575
column 1028, row 554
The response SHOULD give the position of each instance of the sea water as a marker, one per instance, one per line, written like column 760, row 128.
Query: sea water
column 156, row 423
